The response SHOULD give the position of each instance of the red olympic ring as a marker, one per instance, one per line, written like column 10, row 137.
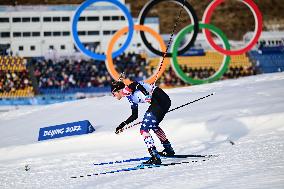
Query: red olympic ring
column 258, row 29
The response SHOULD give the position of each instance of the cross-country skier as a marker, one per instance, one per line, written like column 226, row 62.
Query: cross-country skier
column 139, row 92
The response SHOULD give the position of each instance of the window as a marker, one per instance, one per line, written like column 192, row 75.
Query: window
column 35, row 34
column 35, row 19
column 16, row 19
column 93, row 18
column 115, row 18
column 26, row 19
column 21, row 48
column 65, row 19
column 47, row 19
column 32, row 48
column 62, row 47
column 93, row 32
column 106, row 18
column 66, row 33
column 75, row 48
column 5, row 34
column 81, row 32
column 26, row 34
column 17, row 34
column 51, row 47
column 122, row 18
column 57, row 33
column 4, row 19
column 47, row 34
column 82, row 18
column 106, row 32
column 113, row 31
column 56, row 19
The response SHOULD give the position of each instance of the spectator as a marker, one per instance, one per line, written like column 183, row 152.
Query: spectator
column 13, row 81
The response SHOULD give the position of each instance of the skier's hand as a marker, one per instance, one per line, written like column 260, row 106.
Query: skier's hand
column 119, row 127
column 148, row 98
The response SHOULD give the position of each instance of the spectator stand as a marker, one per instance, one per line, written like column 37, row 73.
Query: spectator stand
column 14, row 78
column 68, row 79
column 203, row 66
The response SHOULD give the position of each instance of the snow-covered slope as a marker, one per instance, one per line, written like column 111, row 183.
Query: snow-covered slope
column 247, row 111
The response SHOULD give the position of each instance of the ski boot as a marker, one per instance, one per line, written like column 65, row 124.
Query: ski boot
column 155, row 157
column 168, row 151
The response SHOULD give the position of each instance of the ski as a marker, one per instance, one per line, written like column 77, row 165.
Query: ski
column 122, row 161
column 143, row 166
column 145, row 158
column 186, row 156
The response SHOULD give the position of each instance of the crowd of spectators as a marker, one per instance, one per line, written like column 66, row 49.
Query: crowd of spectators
column 133, row 65
column 12, row 81
column 68, row 74
column 170, row 79
column 236, row 72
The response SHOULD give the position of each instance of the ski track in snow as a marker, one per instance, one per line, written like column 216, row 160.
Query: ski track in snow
column 247, row 111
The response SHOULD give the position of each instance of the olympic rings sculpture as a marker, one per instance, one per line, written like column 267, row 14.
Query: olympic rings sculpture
column 175, row 50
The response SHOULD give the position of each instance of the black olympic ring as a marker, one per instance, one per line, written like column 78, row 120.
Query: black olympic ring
column 193, row 17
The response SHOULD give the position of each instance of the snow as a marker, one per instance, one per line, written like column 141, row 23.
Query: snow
column 248, row 112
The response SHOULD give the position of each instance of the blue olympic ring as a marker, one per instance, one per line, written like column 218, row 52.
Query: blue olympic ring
column 78, row 43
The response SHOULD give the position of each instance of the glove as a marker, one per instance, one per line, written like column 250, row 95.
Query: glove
column 119, row 127
column 148, row 98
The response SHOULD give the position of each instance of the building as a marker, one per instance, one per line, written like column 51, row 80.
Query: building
column 44, row 30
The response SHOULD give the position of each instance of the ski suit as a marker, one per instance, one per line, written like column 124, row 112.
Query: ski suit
column 138, row 92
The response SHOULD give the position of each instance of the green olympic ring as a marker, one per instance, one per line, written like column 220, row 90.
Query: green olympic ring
column 177, row 42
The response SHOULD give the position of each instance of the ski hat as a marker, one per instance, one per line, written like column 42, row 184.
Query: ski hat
column 116, row 86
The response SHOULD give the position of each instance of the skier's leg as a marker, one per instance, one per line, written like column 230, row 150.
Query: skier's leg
column 159, row 108
column 147, row 124
column 161, row 112
column 160, row 134
column 165, row 142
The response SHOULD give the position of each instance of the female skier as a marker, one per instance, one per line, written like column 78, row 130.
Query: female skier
column 139, row 92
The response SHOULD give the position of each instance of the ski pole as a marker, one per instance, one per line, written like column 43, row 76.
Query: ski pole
column 168, row 45
column 186, row 104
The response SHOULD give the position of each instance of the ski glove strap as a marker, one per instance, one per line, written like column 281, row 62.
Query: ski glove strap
column 119, row 127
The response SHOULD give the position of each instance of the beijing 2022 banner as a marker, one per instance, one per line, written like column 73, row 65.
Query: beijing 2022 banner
column 67, row 129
